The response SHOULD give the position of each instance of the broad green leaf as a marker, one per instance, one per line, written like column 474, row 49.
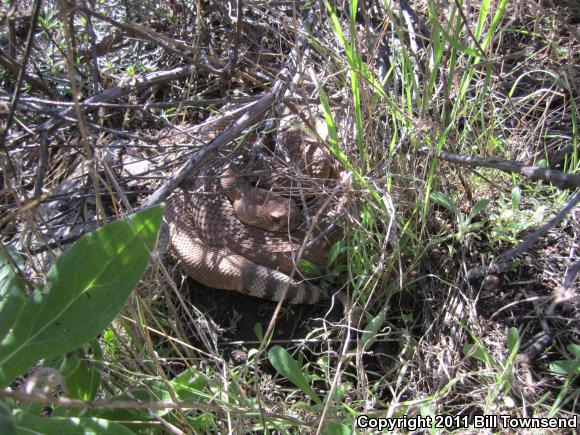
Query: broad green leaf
column 566, row 367
column 83, row 382
column 259, row 331
column 513, row 340
column 86, row 289
column 67, row 363
column 11, row 291
column 28, row 423
column 478, row 352
column 204, row 423
column 7, row 423
column 157, row 391
column 516, row 198
column 477, row 208
column 288, row 367
column 336, row 428
column 137, row 419
column 574, row 349
column 308, row 267
column 190, row 384
column 372, row 328
column 444, row 201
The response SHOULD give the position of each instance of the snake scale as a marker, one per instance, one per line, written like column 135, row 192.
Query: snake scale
column 218, row 250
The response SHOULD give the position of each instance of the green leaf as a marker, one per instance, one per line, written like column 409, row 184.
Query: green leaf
column 11, row 291
column 83, row 382
column 444, row 201
column 7, row 423
column 328, row 118
column 483, row 11
column 513, row 340
column 202, row 423
column 157, row 391
column 259, row 331
column 335, row 24
column 566, row 367
column 336, row 428
column 574, row 349
column 543, row 164
column 427, row 411
column 336, row 249
column 372, row 328
column 138, row 420
column 288, row 367
column 494, row 23
column 68, row 425
column 478, row 352
column 308, row 267
column 87, row 288
column 477, row 208
column 516, row 198
column 367, row 218
column 190, row 385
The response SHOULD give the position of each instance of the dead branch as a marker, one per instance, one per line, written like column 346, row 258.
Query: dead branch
column 254, row 113
column 4, row 132
column 561, row 179
column 147, row 81
column 173, row 46
column 502, row 262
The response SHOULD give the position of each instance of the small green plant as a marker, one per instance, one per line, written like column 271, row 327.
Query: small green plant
column 501, row 371
column 568, row 367
column 288, row 367
column 48, row 19
column 466, row 228
column 135, row 69
column 298, row 374
column 571, row 369
column 508, row 221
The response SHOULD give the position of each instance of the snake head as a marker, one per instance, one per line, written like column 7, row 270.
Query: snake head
column 284, row 215
column 268, row 211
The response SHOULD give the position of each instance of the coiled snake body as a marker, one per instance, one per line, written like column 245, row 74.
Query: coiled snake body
column 220, row 251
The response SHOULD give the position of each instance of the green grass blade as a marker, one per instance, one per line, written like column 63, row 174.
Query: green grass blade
column 288, row 367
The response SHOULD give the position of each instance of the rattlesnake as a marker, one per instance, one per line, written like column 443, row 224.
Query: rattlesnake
column 219, row 250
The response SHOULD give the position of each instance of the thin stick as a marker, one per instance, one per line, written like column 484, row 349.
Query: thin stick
column 561, row 179
column 502, row 262
column 16, row 95
column 145, row 82
column 194, row 163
